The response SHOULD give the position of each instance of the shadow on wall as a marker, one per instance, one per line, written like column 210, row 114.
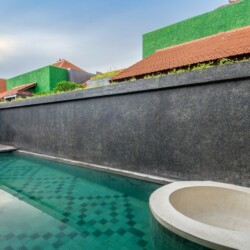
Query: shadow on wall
column 79, row 76
column 9, row 135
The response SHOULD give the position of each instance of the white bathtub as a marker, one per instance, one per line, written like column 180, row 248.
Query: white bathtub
column 211, row 214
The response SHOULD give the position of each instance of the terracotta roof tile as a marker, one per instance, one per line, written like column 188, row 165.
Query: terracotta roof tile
column 222, row 45
column 17, row 90
column 62, row 63
column 2, row 85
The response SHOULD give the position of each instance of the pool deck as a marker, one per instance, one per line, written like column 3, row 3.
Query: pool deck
column 5, row 148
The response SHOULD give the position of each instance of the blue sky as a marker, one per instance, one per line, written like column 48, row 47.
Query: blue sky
column 95, row 35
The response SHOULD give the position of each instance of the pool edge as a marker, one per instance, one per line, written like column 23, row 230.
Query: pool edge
column 135, row 175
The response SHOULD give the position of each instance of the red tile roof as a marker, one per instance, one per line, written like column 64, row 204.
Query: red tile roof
column 16, row 90
column 62, row 63
column 2, row 85
column 226, row 44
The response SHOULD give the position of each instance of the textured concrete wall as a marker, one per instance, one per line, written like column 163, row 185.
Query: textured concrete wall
column 191, row 126
column 219, row 20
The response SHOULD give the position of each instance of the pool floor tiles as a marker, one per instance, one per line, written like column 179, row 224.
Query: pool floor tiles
column 56, row 206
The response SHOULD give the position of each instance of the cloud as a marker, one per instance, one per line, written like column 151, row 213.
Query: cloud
column 7, row 47
column 31, row 49
column 95, row 36
column 90, row 47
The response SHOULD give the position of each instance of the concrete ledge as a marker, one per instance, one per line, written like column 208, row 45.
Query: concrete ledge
column 4, row 148
column 200, row 77
column 214, row 215
column 140, row 176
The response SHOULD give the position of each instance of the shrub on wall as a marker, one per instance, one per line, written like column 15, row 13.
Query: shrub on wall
column 65, row 86
column 105, row 75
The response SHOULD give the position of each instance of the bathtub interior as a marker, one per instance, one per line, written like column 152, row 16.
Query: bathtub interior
column 215, row 206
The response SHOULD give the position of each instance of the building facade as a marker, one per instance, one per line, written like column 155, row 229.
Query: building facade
column 45, row 78
column 225, row 18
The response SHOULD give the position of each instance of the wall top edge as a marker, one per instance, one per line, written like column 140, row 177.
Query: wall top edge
column 201, row 77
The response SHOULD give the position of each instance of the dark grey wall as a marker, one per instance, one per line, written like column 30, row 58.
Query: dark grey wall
column 192, row 126
column 79, row 76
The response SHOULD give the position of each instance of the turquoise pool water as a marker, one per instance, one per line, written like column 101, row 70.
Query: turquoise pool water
column 50, row 205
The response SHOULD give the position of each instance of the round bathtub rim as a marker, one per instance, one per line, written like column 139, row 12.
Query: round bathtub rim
column 203, row 234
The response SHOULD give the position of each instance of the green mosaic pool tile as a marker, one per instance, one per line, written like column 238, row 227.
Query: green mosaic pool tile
column 96, row 211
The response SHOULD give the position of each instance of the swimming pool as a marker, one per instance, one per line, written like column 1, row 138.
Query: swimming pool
column 51, row 205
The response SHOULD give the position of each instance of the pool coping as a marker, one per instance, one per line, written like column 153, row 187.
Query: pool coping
column 201, row 233
column 6, row 148
column 131, row 174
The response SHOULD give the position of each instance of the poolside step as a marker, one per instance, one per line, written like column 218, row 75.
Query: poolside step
column 5, row 148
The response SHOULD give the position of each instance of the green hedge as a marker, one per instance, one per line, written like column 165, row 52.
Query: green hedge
column 106, row 75
column 222, row 19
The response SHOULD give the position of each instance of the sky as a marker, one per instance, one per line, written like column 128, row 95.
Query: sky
column 93, row 34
